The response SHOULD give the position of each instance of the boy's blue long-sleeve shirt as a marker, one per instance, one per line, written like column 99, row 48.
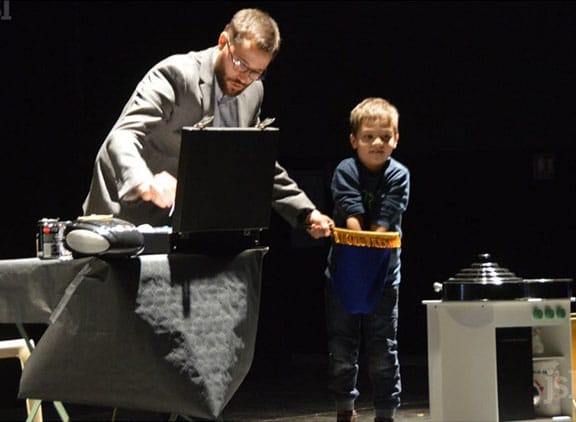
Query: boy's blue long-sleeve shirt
column 379, row 198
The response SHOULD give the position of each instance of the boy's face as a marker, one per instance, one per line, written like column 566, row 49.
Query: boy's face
column 374, row 143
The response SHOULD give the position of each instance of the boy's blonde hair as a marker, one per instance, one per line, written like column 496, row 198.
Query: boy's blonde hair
column 372, row 109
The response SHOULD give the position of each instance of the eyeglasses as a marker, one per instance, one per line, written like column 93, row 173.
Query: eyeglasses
column 239, row 66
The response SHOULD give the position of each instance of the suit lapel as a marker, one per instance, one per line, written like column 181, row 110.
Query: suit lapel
column 246, row 103
column 243, row 120
column 207, row 81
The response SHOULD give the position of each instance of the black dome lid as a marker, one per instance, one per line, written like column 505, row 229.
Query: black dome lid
column 485, row 271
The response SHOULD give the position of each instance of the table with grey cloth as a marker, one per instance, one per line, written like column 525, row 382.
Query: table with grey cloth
column 166, row 333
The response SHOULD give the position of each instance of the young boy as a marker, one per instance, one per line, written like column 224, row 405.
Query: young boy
column 370, row 192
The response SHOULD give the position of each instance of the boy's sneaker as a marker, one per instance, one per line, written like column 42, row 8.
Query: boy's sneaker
column 346, row 416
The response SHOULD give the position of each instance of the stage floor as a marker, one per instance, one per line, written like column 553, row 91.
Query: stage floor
column 272, row 391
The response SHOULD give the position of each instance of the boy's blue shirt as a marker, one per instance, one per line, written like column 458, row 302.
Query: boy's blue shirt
column 380, row 198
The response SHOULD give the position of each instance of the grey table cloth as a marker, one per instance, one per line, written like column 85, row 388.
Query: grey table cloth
column 167, row 333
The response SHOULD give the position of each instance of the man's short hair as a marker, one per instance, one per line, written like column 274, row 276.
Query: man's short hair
column 255, row 25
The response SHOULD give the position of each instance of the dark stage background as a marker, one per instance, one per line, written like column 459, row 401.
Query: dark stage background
column 485, row 92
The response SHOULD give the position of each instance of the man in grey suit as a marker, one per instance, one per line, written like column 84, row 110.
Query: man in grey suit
column 134, row 172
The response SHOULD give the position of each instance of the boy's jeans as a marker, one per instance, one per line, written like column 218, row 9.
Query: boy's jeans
column 377, row 331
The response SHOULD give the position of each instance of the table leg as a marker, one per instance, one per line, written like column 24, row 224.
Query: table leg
column 64, row 417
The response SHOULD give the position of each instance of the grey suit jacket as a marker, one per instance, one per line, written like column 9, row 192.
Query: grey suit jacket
column 145, row 140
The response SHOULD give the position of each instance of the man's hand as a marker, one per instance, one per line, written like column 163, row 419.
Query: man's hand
column 319, row 225
column 161, row 191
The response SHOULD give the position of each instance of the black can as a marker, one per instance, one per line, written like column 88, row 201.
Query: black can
column 50, row 239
